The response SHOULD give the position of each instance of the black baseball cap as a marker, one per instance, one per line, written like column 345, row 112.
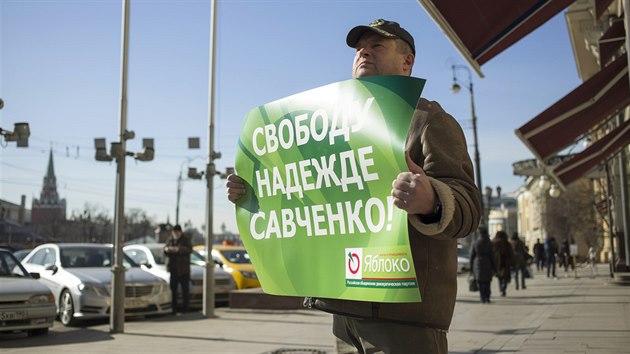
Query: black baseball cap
column 385, row 28
column 177, row 228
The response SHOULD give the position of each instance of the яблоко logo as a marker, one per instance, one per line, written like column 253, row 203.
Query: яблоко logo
column 353, row 258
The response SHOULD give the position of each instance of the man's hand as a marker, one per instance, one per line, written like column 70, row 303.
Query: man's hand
column 412, row 190
column 235, row 187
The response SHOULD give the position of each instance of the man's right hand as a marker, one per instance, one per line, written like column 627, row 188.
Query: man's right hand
column 235, row 187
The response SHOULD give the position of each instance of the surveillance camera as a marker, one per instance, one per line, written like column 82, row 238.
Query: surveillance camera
column 146, row 155
column 100, row 147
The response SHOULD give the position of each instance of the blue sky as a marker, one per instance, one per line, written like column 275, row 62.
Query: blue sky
column 60, row 72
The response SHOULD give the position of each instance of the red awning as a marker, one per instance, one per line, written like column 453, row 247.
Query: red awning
column 481, row 29
column 600, row 7
column 612, row 40
column 583, row 108
column 582, row 163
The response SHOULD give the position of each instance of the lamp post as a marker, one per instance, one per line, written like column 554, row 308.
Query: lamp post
column 456, row 88
column 553, row 191
column 208, row 278
column 118, row 153
column 193, row 143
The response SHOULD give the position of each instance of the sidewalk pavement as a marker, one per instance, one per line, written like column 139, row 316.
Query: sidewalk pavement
column 565, row 315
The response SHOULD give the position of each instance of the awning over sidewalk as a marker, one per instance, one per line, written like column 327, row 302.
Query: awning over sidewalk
column 576, row 113
column 481, row 29
column 612, row 40
column 580, row 164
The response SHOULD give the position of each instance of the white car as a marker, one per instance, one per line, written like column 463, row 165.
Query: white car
column 80, row 277
column 25, row 303
column 463, row 259
column 151, row 257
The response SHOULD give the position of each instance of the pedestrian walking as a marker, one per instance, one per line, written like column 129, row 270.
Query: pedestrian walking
column 564, row 255
column 551, row 249
column 482, row 264
column 539, row 255
column 503, row 257
column 519, row 262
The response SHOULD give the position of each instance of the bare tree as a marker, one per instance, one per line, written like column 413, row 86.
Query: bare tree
column 138, row 224
column 573, row 216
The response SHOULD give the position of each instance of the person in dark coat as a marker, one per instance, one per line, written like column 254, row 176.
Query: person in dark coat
column 563, row 255
column 177, row 249
column 503, row 256
column 519, row 261
column 539, row 255
column 482, row 264
column 551, row 249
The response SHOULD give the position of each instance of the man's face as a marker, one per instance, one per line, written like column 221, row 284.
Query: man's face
column 377, row 55
column 177, row 233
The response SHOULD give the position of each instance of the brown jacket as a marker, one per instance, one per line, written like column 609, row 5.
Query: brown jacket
column 436, row 142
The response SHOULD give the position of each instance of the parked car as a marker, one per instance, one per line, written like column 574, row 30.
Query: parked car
column 25, row 303
column 235, row 260
column 79, row 276
column 463, row 259
column 151, row 257
column 20, row 254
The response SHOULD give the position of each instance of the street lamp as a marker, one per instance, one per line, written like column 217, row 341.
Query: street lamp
column 553, row 191
column 455, row 89
column 193, row 143
column 118, row 153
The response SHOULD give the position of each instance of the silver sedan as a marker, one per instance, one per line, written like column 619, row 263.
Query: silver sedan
column 79, row 275
column 25, row 303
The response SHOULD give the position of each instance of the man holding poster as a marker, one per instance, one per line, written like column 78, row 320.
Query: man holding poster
column 436, row 196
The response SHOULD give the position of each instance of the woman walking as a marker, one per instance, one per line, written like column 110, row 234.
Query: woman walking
column 503, row 256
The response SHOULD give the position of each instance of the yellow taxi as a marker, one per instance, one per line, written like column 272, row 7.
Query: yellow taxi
column 235, row 260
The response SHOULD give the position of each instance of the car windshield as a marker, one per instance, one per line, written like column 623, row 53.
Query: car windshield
column 83, row 257
column 196, row 258
column 236, row 256
column 10, row 266
column 158, row 255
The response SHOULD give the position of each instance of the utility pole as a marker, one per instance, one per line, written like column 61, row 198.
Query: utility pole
column 456, row 88
column 117, row 315
column 208, row 278
column 179, row 195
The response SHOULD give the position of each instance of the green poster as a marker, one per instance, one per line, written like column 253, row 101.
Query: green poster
column 318, row 219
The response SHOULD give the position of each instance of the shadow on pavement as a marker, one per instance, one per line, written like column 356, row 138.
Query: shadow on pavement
column 217, row 339
column 71, row 336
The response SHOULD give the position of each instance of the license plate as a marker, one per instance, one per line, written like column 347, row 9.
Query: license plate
column 13, row 315
column 134, row 303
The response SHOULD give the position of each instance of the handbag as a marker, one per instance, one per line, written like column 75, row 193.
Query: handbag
column 472, row 283
column 529, row 273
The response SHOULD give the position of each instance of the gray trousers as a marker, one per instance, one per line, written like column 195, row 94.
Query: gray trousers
column 371, row 336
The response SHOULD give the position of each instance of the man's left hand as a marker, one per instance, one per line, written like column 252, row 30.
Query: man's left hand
column 412, row 190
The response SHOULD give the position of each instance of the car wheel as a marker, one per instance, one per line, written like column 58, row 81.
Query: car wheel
column 66, row 309
column 37, row 332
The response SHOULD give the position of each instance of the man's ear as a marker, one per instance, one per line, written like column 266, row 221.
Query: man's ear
column 408, row 63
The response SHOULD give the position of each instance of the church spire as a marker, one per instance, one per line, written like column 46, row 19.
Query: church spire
column 51, row 168
column 48, row 208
